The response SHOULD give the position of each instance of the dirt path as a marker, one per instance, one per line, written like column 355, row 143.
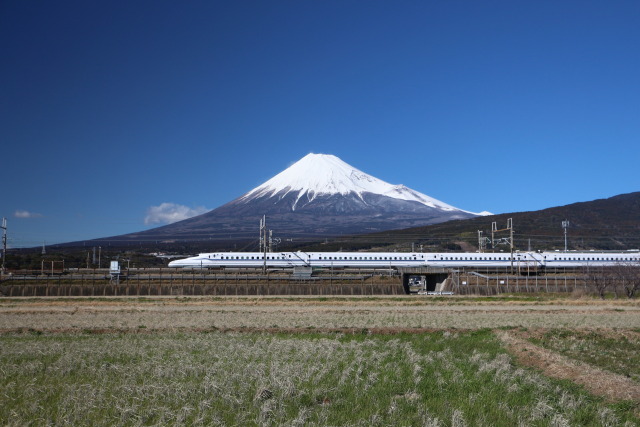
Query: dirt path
column 599, row 382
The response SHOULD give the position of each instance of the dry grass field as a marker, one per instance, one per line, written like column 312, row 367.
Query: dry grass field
column 459, row 361
column 315, row 312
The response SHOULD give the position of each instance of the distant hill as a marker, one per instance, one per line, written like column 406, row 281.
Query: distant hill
column 604, row 224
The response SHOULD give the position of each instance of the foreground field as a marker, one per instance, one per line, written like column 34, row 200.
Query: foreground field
column 438, row 378
column 320, row 313
column 318, row 361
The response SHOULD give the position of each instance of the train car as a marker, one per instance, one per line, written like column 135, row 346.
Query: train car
column 534, row 260
column 303, row 259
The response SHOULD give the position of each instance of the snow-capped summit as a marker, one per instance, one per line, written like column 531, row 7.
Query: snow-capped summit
column 325, row 175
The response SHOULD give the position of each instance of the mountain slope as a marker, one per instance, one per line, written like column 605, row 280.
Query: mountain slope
column 318, row 196
column 604, row 224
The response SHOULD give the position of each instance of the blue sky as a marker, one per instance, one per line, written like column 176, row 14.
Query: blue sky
column 108, row 109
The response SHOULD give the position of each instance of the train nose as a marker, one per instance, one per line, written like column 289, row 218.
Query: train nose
column 177, row 263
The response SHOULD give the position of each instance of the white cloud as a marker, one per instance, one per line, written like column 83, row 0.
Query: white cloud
column 20, row 213
column 167, row 213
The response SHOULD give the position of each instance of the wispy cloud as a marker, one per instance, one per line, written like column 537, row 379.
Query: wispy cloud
column 167, row 213
column 20, row 213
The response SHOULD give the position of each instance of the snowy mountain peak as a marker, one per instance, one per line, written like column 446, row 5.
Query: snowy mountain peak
column 320, row 174
column 324, row 174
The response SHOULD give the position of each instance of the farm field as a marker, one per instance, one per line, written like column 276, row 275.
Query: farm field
column 320, row 361
column 402, row 312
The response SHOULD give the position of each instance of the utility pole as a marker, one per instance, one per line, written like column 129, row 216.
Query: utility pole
column 263, row 242
column 4, row 242
column 494, row 229
column 565, row 225
column 261, row 232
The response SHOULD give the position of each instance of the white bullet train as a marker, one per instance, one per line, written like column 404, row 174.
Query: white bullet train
column 407, row 259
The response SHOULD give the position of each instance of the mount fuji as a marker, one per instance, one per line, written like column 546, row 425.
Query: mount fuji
column 318, row 196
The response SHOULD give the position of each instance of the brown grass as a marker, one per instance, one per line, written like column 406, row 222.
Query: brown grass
column 317, row 313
